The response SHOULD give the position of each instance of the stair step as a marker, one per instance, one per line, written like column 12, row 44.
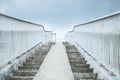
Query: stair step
column 73, row 52
column 78, row 62
column 27, row 67
column 86, row 79
column 83, row 70
column 78, row 58
column 37, row 57
column 24, row 73
column 35, row 65
column 29, row 60
column 85, row 75
column 69, row 47
column 77, row 68
column 80, row 69
column 31, row 64
column 29, row 70
column 22, row 78
column 35, row 62
column 75, row 56
column 81, row 65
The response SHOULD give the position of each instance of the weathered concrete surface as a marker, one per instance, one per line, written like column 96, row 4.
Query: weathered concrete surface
column 17, row 36
column 26, row 65
column 101, row 39
column 79, row 66
column 56, row 65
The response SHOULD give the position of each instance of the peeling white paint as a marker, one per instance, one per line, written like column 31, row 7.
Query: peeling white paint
column 17, row 36
column 101, row 39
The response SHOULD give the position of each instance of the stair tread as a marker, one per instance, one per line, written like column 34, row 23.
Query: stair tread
column 26, row 71
column 81, row 65
column 28, row 66
column 80, row 69
column 85, row 75
column 22, row 76
column 88, row 79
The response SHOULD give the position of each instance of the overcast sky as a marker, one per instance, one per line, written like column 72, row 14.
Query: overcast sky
column 58, row 15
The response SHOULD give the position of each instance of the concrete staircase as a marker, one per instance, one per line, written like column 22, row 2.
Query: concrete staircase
column 28, row 70
column 81, row 70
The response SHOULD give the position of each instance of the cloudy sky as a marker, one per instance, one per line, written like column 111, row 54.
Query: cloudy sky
column 58, row 15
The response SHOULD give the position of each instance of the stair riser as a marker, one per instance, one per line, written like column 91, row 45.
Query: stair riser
column 29, row 68
column 73, row 53
column 77, row 60
column 73, row 67
column 21, row 79
column 39, row 57
column 85, row 79
column 78, row 64
column 37, row 66
column 85, row 76
column 76, row 57
column 29, row 64
column 82, row 70
column 21, row 68
column 82, row 62
column 34, row 62
column 73, row 64
column 24, row 74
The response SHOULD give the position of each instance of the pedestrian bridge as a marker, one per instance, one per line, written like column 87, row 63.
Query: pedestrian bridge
column 90, row 51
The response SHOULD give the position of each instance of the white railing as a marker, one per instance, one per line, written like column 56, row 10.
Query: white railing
column 17, row 36
column 101, row 39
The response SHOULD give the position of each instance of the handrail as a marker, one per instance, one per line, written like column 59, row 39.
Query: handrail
column 25, row 21
column 95, row 20
column 101, row 39
column 21, row 20
column 18, row 57
column 16, row 33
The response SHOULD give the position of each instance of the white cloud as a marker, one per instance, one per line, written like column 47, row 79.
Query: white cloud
column 32, row 3
column 47, row 28
column 56, row 15
column 3, row 8
column 21, row 3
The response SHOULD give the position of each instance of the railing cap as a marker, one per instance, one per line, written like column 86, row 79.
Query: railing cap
column 94, row 20
column 24, row 21
column 20, row 20
column 100, row 18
